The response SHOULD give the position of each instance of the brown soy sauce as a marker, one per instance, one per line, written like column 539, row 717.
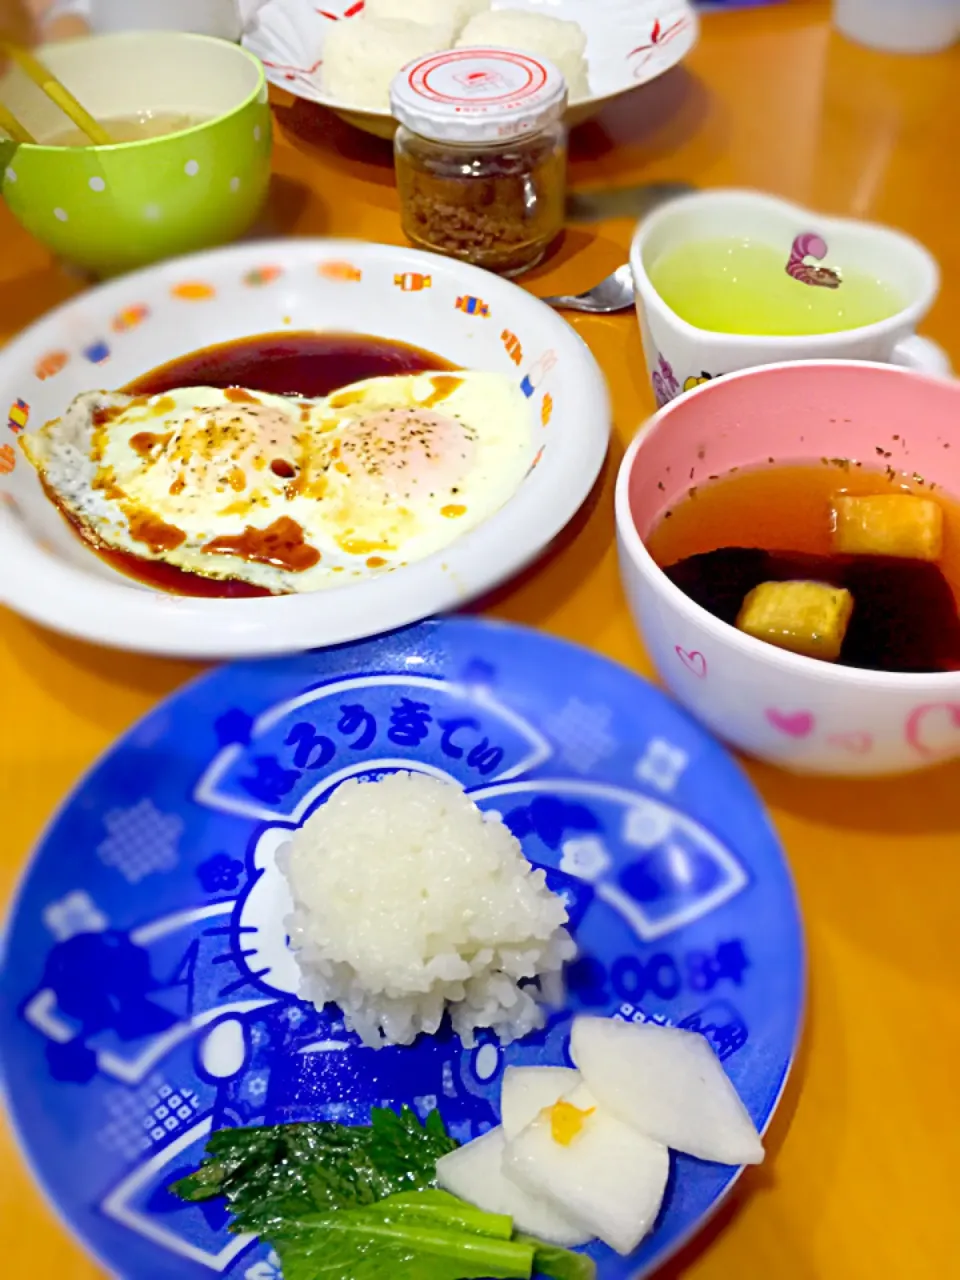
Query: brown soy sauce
column 290, row 364
column 296, row 364
column 771, row 524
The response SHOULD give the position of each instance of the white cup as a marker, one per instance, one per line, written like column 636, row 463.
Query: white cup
column 899, row 26
column 680, row 356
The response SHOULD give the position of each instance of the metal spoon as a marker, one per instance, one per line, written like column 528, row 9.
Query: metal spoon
column 613, row 294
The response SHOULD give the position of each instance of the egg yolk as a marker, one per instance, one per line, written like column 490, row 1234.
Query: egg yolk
column 229, row 450
column 566, row 1121
column 408, row 453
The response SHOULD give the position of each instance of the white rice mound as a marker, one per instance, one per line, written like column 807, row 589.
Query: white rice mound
column 361, row 56
column 409, row 902
column 563, row 43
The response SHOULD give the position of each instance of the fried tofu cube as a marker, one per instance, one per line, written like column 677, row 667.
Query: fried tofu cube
column 891, row 524
column 805, row 617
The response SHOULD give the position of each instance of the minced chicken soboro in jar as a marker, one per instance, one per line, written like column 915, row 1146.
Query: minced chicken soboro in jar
column 481, row 156
column 493, row 206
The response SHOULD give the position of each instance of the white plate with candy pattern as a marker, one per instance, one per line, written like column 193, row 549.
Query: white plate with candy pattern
column 629, row 42
column 120, row 331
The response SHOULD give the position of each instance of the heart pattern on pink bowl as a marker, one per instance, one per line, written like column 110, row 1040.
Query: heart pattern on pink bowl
column 934, row 730
column 795, row 724
column 693, row 660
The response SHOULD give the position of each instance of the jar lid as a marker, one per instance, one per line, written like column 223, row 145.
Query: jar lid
column 478, row 95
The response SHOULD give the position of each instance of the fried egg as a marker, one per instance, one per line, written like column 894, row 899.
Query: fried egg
column 285, row 493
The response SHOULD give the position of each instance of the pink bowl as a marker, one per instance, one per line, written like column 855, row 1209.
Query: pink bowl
column 804, row 715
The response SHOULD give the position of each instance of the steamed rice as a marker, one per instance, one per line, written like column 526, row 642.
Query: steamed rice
column 409, row 902
column 361, row 57
column 562, row 43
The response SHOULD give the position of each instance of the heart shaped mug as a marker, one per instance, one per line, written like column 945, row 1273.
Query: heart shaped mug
column 815, row 251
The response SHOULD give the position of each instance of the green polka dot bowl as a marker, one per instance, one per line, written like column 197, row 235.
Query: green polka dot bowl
column 111, row 209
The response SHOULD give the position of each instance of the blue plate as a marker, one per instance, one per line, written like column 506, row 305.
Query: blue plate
column 148, row 996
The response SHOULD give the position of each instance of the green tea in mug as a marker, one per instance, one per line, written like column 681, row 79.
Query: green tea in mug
column 743, row 286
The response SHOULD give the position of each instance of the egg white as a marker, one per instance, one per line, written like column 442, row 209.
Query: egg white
column 375, row 476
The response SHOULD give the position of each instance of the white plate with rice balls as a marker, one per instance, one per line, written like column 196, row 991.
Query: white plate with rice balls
column 344, row 54
column 460, row 952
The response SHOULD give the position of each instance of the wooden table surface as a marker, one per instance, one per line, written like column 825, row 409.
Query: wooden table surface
column 862, row 1180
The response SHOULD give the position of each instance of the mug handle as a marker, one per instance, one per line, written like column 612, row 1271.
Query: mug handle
column 915, row 352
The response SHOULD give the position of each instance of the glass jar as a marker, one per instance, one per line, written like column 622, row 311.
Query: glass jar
column 481, row 156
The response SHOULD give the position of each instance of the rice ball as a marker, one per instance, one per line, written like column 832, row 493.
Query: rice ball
column 361, row 56
column 409, row 903
column 563, row 43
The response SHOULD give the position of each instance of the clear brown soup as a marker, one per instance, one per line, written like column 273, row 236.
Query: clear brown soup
column 295, row 363
column 136, row 128
column 772, row 523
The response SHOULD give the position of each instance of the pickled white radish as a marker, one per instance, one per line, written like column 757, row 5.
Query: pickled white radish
column 527, row 1090
column 669, row 1085
column 607, row 1176
column 474, row 1172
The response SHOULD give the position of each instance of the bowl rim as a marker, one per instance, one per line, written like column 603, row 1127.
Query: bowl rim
column 790, row 664
column 118, row 612
column 648, row 296
column 135, row 37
